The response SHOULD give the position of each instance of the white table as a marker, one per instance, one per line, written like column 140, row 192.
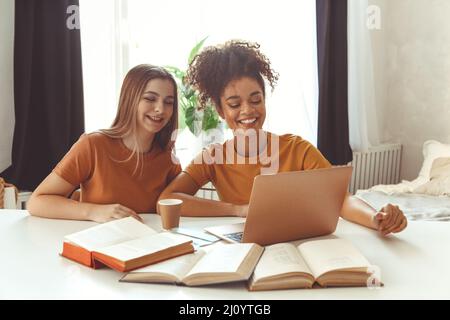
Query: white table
column 415, row 265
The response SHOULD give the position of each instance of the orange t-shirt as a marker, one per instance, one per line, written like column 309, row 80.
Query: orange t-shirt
column 234, row 181
column 95, row 162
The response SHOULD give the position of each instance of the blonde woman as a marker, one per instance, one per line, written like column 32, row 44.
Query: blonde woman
column 122, row 170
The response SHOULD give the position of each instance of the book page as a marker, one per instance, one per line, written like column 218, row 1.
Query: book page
column 279, row 259
column 143, row 246
column 178, row 266
column 327, row 255
column 110, row 233
column 222, row 259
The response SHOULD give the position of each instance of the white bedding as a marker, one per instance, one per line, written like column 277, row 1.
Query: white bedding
column 418, row 206
column 415, row 206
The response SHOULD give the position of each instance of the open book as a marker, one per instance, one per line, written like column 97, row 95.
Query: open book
column 123, row 245
column 214, row 264
column 328, row 263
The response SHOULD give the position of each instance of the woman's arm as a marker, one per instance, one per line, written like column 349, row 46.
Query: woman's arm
column 49, row 200
column 389, row 219
column 356, row 210
column 183, row 187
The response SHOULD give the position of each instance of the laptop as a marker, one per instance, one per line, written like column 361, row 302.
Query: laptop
column 290, row 206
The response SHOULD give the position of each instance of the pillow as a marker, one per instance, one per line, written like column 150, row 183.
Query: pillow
column 440, row 179
column 441, row 167
column 431, row 151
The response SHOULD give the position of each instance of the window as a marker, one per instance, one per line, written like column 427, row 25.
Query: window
column 117, row 35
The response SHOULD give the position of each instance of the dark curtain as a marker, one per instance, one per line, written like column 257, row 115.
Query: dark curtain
column 333, row 133
column 48, row 89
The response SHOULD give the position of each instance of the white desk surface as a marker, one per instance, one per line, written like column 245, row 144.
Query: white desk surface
column 415, row 264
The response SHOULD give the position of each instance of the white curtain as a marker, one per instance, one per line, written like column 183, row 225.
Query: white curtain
column 6, row 82
column 117, row 35
column 363, row 123
column 104, row 46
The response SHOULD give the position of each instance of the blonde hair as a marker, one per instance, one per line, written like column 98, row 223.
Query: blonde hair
column 125, row 123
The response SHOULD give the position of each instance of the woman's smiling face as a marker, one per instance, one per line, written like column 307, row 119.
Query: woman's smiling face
column 243, row 104
column 155, row 108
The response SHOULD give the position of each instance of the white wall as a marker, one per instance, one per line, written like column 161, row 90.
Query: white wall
column 6, row 82
column 379, row 64
column 412, row 73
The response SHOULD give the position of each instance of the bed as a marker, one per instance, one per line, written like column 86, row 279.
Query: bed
column 415, row 206
column 425, row 198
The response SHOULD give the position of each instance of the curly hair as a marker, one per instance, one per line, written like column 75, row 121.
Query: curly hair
column 214, row 67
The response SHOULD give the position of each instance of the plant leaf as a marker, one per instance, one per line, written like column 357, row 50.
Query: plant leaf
column 189, row 115
column 210, row 118
column 195, row 50
column 179, row 74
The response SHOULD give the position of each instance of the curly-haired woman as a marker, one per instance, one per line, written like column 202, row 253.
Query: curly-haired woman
column 231, row 76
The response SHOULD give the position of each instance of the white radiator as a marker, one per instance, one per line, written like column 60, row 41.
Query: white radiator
column 207, row 192
column 379, row 165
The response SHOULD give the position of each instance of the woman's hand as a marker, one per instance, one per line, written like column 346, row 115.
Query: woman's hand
column 109, row 212
column 390, row 219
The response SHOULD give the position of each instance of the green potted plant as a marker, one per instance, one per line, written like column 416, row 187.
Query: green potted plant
column 196, row 119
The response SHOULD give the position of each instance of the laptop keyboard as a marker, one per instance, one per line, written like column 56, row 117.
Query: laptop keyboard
column 237, row 236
